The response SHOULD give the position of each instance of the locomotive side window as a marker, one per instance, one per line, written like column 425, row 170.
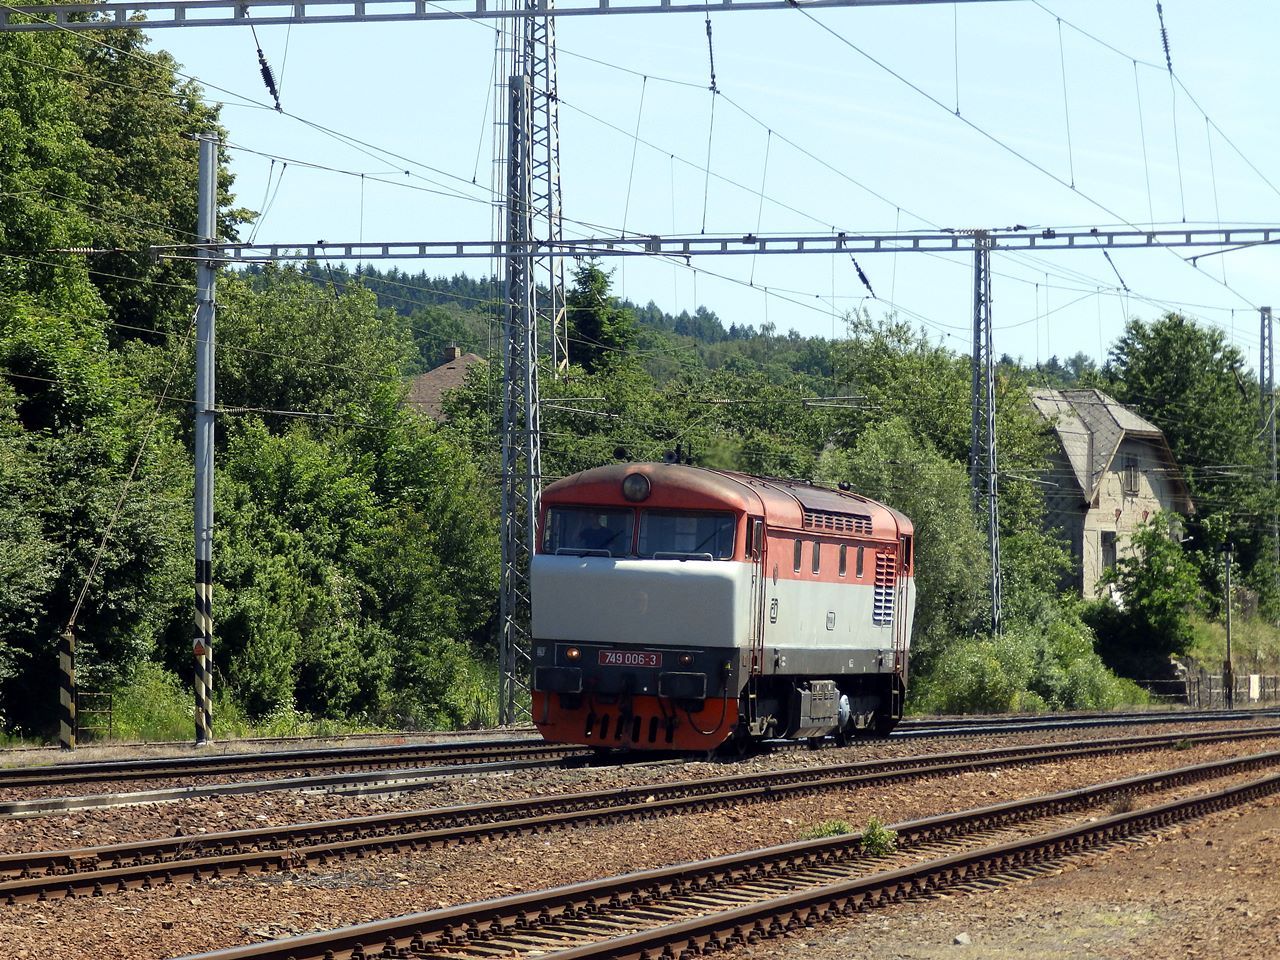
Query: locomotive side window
column 799, row 552
column 861, row 550
column 906, row 553
column 589, row 531
column 757, row 538
column 817, row 556
column 680, row 535
column 844, row 558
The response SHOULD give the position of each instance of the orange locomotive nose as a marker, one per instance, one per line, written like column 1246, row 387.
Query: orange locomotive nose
column 646, row 722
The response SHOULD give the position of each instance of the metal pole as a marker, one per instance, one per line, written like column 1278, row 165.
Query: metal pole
column 67, row 691
column 975, row 388
column 1228, row 677
column 984, row 473
column 206, row 309
column 1267, row 385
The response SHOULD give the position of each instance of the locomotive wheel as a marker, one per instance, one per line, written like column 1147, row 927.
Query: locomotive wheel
column 740, row 743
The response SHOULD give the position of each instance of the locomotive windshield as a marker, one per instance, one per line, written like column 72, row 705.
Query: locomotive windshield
column 589, row 531
column 676, row 535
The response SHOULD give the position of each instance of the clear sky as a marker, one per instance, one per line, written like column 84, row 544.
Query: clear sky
column 828, row 137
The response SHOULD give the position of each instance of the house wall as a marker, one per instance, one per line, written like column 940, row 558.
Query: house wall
column 1120, row 511
column 1065, row 509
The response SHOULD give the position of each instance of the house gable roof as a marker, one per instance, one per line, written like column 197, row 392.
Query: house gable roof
column 1091, row 426
column 427, row 390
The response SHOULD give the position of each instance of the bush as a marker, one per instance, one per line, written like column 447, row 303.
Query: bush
column 1157, row 590
column 877, row 839
column 1051, row 666
column 153, row 705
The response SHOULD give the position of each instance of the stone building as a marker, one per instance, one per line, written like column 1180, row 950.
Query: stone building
column 1111, row 470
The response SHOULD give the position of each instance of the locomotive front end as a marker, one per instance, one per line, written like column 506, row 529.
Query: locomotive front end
column 641, row 604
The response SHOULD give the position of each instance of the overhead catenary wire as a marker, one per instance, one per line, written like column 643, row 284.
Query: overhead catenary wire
column 1066, row 106
column 986, row 134
column 708, row 166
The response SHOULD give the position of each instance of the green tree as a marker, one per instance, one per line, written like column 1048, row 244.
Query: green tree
column 601, row 331
column 1193, row 385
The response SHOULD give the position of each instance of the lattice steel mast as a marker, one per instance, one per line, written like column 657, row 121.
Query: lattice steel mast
column 983, row 472
column 534, row 287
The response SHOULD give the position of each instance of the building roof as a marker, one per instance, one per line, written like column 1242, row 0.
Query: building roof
column 1091, row 425
column 427, row 390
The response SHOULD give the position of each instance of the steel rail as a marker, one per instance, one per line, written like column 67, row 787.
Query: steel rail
column 95, row 871
column 329, row 758
column 547, row 914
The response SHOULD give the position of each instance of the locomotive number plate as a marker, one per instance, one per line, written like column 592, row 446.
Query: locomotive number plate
column 630, row 658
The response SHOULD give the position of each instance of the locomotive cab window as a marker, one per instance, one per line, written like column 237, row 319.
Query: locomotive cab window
column 844, row 559
column 799, row 555
column 817, row 556
column 681, row 535
column 861, row 550
column 589, row 531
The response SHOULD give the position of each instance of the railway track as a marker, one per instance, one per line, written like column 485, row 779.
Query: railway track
column 283, row 761
column 699, row 907
column 981, row 725
column 348, row 758
column 96, row 871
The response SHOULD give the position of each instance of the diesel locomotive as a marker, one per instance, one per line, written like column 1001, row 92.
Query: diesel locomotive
column 678, row 607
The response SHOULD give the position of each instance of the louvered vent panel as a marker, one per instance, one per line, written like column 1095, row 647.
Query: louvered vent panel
column 837, row 522
column 886, row 573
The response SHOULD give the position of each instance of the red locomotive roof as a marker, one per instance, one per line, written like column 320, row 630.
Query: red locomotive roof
column 785, row 503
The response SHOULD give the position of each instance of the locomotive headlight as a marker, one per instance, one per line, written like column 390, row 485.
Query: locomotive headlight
column 635, row 487
column 573, row 653
column 686, row 659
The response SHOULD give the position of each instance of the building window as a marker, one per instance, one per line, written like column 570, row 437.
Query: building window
column 1130, row 476
column 1108, row 549
column 844, row 559
column 817, row 556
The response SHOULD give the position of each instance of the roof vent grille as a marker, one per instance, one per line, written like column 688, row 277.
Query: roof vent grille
column 837, row 522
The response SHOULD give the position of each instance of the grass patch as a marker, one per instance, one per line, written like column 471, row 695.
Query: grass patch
column 827, row 828
column 156, row 706
column 1255, row 644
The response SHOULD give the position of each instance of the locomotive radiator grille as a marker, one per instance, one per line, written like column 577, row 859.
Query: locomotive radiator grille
column 837, row 522
column 886, row 574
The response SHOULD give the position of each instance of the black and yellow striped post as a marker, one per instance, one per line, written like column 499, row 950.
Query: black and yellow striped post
column 203, row 650
column 67, row 691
